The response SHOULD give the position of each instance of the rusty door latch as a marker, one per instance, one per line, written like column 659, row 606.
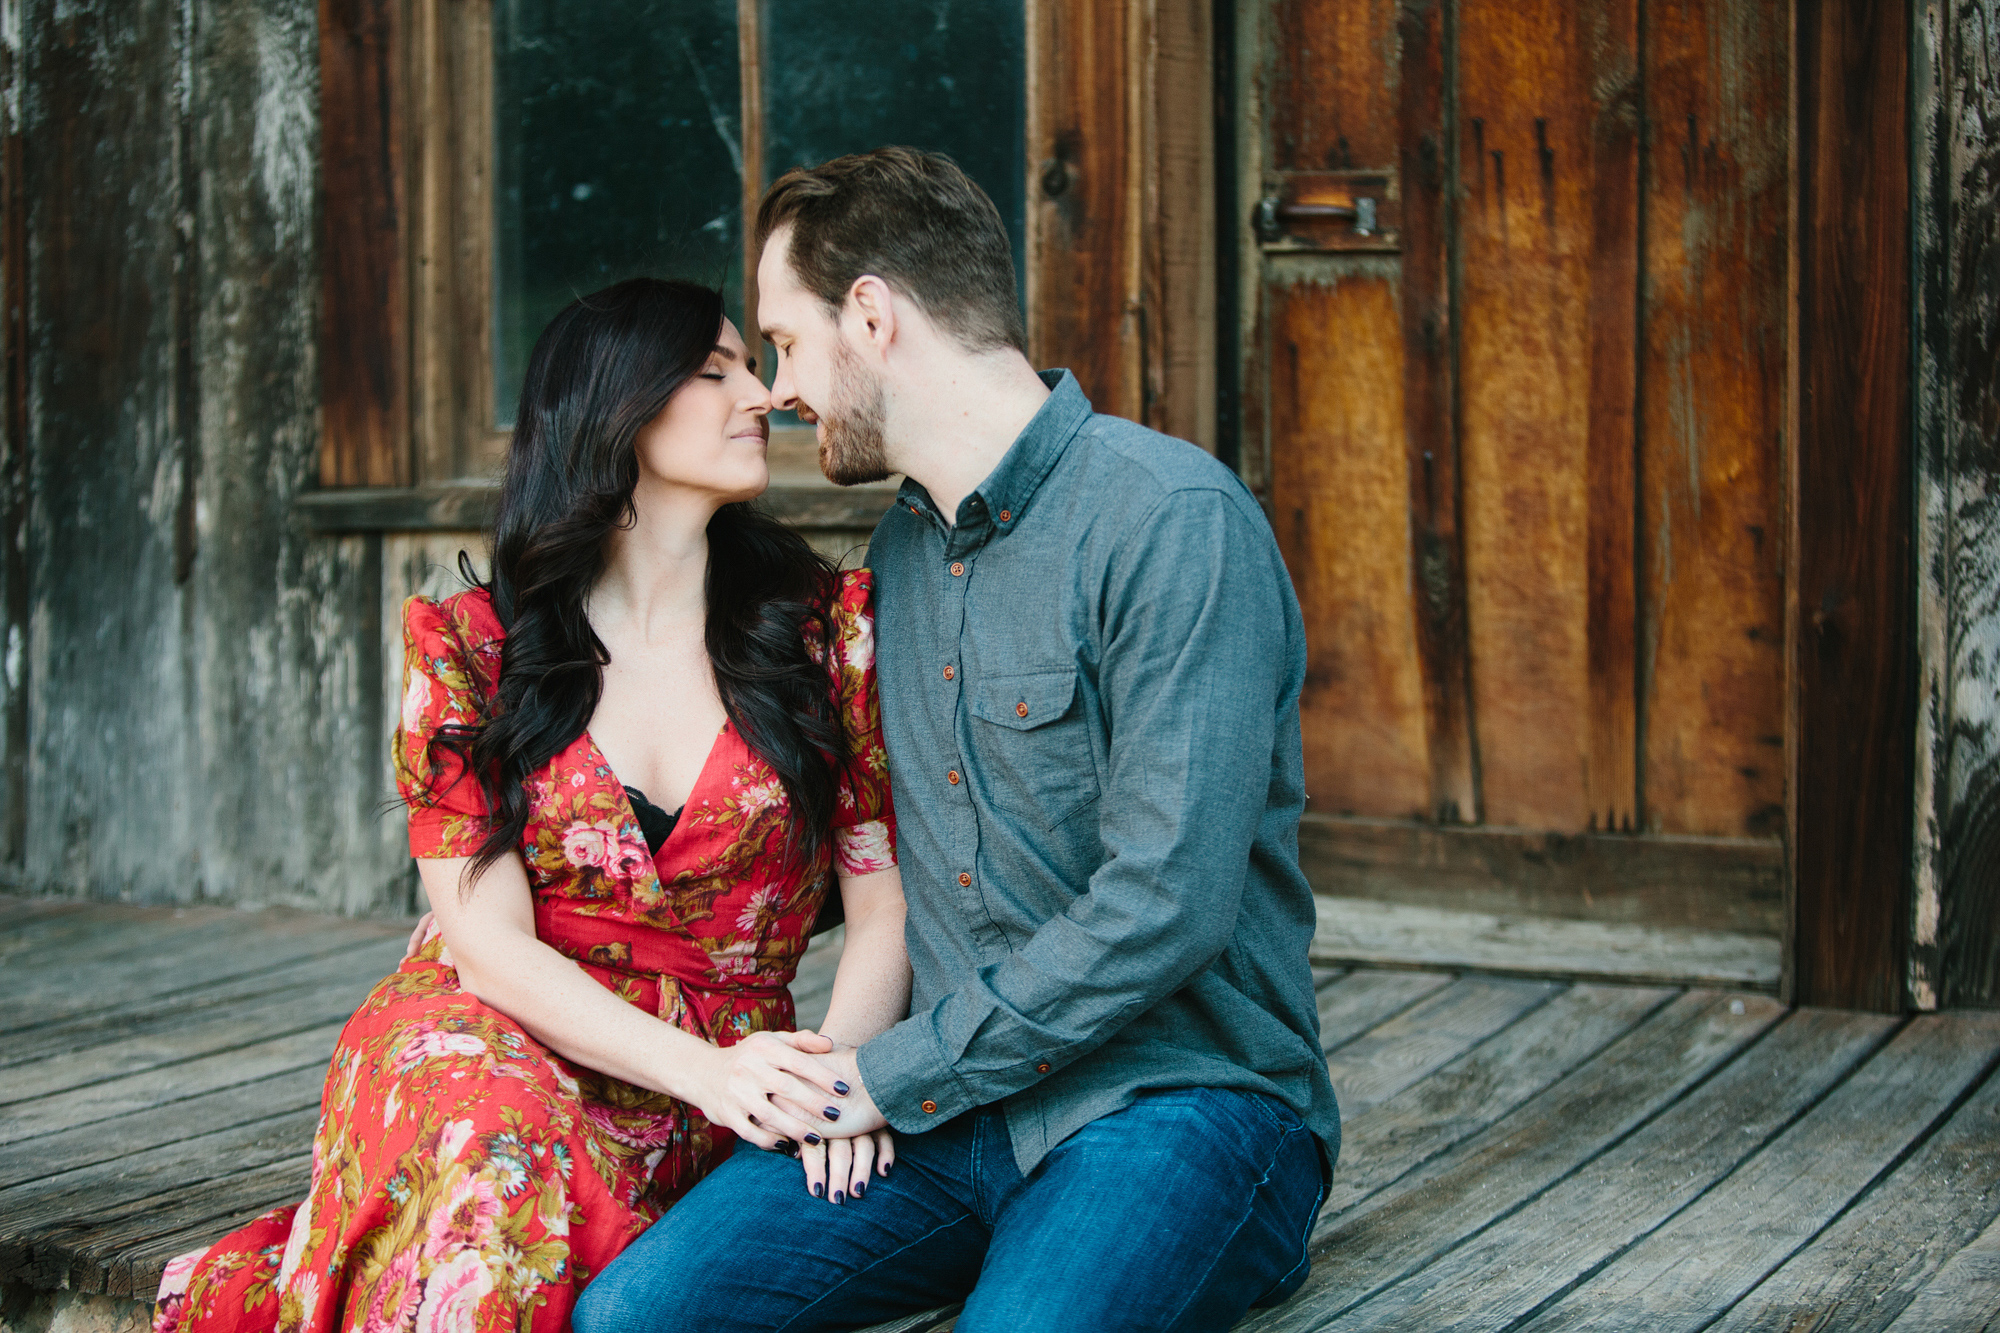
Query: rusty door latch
column 1273, row 216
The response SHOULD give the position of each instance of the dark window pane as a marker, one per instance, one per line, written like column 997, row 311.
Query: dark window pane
column 948, row 75
column 618, row 153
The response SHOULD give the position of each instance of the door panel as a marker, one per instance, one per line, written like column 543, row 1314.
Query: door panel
column 1521, row 435
column 1713, row 370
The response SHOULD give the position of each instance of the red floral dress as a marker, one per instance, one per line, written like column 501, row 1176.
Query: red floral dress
column 465, row 1177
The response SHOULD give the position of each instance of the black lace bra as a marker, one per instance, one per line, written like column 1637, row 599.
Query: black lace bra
column 656, row 824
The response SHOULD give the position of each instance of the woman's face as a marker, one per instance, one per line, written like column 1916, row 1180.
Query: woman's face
column 713, row 433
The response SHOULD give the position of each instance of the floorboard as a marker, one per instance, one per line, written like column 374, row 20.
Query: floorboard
column 1867, row 1267
column 1430, row 1034
column 1538, row 1253
column 1406, row 1226
column 1358, row 1001
column 1680, row 1277
column 1964, row 1297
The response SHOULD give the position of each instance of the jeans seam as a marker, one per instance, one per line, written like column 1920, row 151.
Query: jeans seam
column 828, row 1294
column 1249, row 1210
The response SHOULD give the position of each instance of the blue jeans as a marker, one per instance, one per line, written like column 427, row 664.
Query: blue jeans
column 1179, row 1212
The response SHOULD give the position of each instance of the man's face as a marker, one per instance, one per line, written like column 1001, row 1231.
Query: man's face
column 819, row 373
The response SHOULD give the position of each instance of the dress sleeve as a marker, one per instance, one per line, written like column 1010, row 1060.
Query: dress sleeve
column 864, row 836
column 448, row 808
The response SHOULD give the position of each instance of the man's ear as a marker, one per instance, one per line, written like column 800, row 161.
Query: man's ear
column 871, row 306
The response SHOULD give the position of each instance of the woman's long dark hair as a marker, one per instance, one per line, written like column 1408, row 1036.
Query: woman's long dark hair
column 601, row 370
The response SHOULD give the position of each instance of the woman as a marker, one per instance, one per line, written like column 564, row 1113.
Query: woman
column 601, row 1005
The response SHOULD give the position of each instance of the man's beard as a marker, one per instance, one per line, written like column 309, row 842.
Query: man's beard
column 851, row 452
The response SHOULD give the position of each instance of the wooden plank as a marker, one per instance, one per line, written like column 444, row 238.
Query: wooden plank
column 107, row 1189
column 227, row 945
column 1853, row 745
column 1679, row 1277
column 1354, row 930
column 1477, row 1089
column 358, row 966
column 1329, row 104
column 158, row 1088
column 1735, row 884
column 313, row 1003
column 1712, row 358
column 1424, row 144
column 1956, row 206
column 1341, row 494
column 1181, row 224
column 1353, row 1005
column 364, row 336
column 1433, row 1208
column 1505, row 1273
column 1084, row 307
column 1544, row 90
column 17, row 912
column 153, row 1127
column 1965, row 1294
column 1390, row 1057
column 95, row 1254
column 1862, row 1272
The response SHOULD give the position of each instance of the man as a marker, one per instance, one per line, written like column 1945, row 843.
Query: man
column 1111, row 1105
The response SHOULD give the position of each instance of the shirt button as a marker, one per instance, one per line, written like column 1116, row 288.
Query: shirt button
column 1021, row 709
column 952, row 777
column 949, row 673
column 1006, row 515
column 957, row 568
column 930, row 1107
column 964, row 880
column 1042, row 1068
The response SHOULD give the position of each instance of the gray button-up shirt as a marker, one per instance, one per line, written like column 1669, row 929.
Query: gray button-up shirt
column 1090, row 692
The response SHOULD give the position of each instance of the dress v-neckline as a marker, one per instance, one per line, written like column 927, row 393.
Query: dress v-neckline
column 700, row 779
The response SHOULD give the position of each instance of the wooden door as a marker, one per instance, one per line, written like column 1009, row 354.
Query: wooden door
column 1521, row 441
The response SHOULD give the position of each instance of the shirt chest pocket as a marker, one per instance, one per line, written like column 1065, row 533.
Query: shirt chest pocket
column 1031, row 746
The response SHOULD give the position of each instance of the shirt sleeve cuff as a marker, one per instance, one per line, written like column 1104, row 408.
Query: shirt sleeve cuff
column 863, row 849
column 910, row 1078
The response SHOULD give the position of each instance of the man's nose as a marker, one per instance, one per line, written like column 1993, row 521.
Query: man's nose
column 783, row 396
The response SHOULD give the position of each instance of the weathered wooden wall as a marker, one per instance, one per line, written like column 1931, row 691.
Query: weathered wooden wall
column 1956, row 85
column 199, row 680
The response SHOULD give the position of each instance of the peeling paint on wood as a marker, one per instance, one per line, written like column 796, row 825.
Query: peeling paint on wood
column 1955, row 918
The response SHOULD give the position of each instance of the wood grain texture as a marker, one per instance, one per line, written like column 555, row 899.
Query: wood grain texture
column 1867, row 1268
column 1679, row 1278
column 1503, row 1275
column 1964, row 1295
column 1542, row 172
column 1732, row 884
column 1435, row 1207
column 1852, row 752
column 1956, row 219
column 1340, row 486
column 1711, row 552
column 1358, row 1001
column 1480, row 1087
column 1085, row 308
column 1375, row 1067
column 1425, row 159
column 364, row 332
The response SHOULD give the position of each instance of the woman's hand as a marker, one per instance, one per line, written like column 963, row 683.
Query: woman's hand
column 417, row 935
column 839, row 1169
column 764, row 1088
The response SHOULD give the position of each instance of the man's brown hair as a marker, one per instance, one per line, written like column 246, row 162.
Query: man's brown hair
column 912, row 219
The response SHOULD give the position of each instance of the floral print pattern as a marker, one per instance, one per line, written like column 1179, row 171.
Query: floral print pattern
column 466, row 1178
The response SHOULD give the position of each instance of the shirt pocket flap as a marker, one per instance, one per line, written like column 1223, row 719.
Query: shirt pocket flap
column 1026, row 701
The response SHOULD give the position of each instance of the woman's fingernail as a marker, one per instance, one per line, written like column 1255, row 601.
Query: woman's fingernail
column 839, row 1088
column 860, row 1188
column 833, row 1113
column 838, row 1196
column 819, row 1190
column 813, row 1139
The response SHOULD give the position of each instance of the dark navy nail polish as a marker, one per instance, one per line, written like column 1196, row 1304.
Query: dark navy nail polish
column 813, row 1139
column 860, row 1188
column 819, row 1191
column 833, row 1113
column 839, row 1088
column 838, row 1196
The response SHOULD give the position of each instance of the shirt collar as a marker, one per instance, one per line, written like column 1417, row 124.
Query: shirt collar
column 1011, row 485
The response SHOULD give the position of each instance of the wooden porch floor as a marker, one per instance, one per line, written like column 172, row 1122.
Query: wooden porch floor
column 1520, row 1154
